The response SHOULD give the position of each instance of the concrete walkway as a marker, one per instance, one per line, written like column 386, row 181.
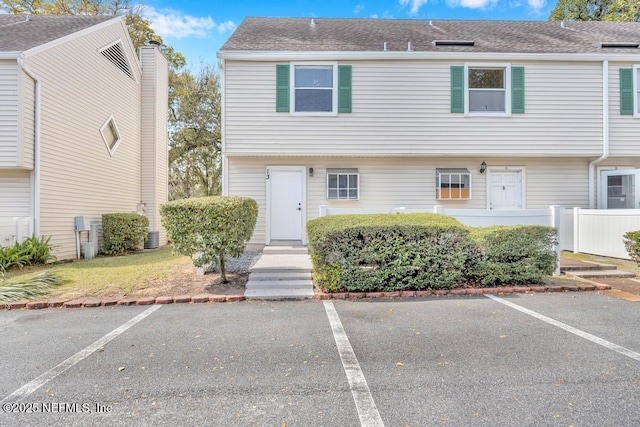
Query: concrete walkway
column 282, row 272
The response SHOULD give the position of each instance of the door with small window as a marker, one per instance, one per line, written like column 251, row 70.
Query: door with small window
column 505, row 190
column 620, row 189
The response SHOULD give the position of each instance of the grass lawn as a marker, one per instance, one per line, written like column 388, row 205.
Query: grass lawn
column 149, row 273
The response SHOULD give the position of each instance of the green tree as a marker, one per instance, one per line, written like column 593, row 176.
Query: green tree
column 596, row 10
column 195, row 165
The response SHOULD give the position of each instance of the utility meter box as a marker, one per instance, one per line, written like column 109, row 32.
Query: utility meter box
column 82, row 223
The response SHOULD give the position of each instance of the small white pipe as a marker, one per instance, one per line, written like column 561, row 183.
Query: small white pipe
column 36, row 148
column 605, row 135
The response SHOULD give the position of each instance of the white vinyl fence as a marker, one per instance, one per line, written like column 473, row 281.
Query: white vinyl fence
column 15, row 230
column 600, row 231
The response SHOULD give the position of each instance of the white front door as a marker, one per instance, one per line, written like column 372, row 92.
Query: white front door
column 620, row 189
column 286, row 202
column 505, row 189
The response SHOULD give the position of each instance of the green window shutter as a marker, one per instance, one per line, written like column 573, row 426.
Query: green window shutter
column 282, row 88
column 344, row 88
column 457, row 89
column 626, row 91
column 517, row 90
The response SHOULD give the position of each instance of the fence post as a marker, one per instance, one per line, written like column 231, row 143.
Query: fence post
column 18, row 224
column 438, row 209
column 576, row 230
column 323, row 210
column 556, row 212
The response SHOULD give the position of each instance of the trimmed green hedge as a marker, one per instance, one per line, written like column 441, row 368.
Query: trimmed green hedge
column 390, row 252
column 514, row 255
column 631, row 242
column 123, row 232
column 210, row 228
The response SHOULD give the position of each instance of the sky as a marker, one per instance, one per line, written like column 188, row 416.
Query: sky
column 198, row 29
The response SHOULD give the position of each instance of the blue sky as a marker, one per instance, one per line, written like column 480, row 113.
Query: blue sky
column 198, row 29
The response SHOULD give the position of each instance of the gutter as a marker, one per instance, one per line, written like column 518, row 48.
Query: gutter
column 36, row 148
column 247, row 55
column 605, row 135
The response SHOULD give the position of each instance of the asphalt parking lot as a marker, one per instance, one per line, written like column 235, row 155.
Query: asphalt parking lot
column 570, row 359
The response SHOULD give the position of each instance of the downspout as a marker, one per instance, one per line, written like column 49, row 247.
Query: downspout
column 605, row 135
column 223, row 142
column 36, row 148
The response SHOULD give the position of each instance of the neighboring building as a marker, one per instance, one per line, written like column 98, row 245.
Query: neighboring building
column 374, row 113
column 83, row 126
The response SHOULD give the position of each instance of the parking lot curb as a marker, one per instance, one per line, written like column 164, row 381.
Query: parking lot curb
column 211, row 298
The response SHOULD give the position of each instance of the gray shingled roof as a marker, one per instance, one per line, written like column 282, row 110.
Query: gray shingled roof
column 17, row 34
column 367, row 35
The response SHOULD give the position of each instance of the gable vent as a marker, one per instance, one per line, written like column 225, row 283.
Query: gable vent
column 619, row 45
column 454, row 42
column 115, row 54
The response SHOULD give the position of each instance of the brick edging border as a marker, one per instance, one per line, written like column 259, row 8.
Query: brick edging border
column 210, row 298
column 107, row 302
column 462, row 291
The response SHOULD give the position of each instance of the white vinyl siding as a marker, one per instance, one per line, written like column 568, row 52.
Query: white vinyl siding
column 624, row 131
column 79, row 90
column 9, row 90
column 403, row 108
column 154, row 137
column 410, row 182
column 15, row 194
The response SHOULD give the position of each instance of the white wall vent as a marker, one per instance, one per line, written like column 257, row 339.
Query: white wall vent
column 115, row 54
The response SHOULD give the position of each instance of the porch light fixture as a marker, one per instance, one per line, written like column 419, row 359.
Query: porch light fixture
column 483, row 167
column 310, row 171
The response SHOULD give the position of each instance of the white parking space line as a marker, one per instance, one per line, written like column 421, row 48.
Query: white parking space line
column 366, row 407
column 32, row 386
column 611, row 346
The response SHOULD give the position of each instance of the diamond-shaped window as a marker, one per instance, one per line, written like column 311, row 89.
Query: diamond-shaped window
column 110, row 135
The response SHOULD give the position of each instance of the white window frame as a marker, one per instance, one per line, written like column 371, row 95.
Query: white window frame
column 292, row 91
column 636, row 88
column 507, row 89
column 460, row 174
column 341, row 199
column 116, row 133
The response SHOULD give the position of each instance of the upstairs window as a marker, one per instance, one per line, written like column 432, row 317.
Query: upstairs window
column 110, row 135
column 343, row 184
column 487, row 90
column 453, row 184
column 313, row 89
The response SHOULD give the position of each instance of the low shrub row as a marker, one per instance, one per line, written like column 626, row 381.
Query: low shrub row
column 32, row 251
column 383, row 252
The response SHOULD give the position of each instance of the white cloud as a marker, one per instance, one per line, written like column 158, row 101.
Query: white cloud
column 359, row 8
column 175, row 24
column 537, row 4
column 415, row 4
column 474, row 4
